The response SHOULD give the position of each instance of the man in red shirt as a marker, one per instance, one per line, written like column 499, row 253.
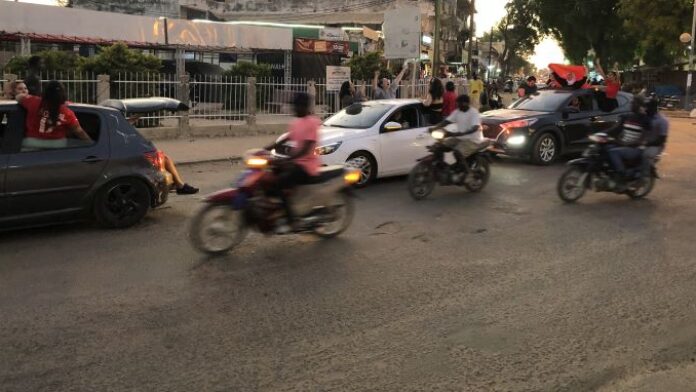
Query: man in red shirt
column 49, row 121
column 449, row 100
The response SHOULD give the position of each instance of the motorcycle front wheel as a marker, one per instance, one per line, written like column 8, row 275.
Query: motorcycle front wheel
column 571, row 186
column 217, row 229
column 421, row 181
column 479, row 174
column 341, row 213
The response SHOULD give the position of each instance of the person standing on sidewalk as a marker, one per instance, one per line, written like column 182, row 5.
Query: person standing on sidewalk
column 33, row 79
column 476, row 87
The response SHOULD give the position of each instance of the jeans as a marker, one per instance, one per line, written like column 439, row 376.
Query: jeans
column 648, row 155
column 618, row 155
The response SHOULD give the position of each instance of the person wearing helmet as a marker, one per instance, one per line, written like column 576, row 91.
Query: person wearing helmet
column 301, row 164
column 656, row 137
column 630, row 134
column 528, row 88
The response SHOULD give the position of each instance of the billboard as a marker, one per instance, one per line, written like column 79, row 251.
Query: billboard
column 402, row 33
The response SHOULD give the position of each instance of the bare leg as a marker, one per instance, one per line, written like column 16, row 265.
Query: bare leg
column 169, row 166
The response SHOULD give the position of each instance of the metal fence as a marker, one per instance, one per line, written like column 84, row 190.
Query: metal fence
column 211, row 98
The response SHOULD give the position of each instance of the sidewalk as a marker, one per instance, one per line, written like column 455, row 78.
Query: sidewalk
column 185, row 151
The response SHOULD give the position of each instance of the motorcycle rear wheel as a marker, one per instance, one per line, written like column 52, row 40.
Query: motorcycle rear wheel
column 342, row 210
column 480, row 173
column 569, row 188
column 421, row 181
column 217, row 229
column 643, row 190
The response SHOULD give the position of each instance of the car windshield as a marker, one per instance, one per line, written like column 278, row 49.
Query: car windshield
column 543, row 101
column 358, row 116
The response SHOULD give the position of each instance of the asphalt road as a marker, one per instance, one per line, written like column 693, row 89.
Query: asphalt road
column 507, row 290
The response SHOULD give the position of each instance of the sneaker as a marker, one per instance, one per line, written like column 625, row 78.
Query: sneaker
column 186, row 189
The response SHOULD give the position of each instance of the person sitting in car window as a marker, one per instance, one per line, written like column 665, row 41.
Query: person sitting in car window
column 575, row 104
column 13, row 89
column 49, row 121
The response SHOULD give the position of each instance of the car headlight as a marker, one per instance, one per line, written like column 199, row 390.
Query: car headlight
column 327, row 149
column 516, row 140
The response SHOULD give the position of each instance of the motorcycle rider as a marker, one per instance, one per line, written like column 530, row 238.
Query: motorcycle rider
column 657, row 136
column 301, row 164
column 469, row 137
column 630, row 134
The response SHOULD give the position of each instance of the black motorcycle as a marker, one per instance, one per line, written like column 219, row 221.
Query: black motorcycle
column 471, row 172
column 594, row 171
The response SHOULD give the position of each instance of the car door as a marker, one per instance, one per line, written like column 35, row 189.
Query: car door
column 54, row 181
column 399, row 149
column 577, row 126
column 603, row 121
column 7, row 128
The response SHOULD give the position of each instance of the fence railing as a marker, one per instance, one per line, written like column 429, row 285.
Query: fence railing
column 211, row 98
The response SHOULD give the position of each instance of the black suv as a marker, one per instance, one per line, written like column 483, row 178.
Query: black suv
column 549, row 123
column 115, row 179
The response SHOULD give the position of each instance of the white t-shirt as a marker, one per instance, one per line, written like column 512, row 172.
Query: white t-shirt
column 465, row 121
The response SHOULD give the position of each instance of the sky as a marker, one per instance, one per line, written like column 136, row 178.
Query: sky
column 491, row 11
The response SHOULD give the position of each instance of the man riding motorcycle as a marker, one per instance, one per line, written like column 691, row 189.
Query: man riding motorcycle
column 630, row 134
column 469, row 136
column 657, row 137
column 301, row 164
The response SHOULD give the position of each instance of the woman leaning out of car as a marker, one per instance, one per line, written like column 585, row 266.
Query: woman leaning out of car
column 49, row 121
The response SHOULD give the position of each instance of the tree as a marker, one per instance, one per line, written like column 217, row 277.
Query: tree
column 657, row 24
column 119, row 59
column 245, row 69
column 363, row 67
column 581, row 25
column 517, row 32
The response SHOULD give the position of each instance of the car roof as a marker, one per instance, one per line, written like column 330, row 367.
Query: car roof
column 396, row 102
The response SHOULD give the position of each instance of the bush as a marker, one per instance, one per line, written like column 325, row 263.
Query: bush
column 118, row 58
column 364, row 67
column 53, row 61
column 245, row 69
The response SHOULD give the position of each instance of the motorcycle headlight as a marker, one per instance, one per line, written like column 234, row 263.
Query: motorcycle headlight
column 439, row 135
column 327, row 149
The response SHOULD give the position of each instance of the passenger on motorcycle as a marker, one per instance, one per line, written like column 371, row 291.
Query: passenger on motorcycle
column 301, row 164
column 657, row 136
column 630, row 134
column 469, row 137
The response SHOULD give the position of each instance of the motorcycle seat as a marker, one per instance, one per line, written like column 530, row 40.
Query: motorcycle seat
column 327, row 173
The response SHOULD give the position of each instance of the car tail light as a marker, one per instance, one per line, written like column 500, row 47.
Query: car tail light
column 156, row 158
column 518, row 123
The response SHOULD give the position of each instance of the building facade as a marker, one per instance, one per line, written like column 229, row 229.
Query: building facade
column 167, row 8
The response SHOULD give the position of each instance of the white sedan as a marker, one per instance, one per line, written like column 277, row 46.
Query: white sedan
column 382, row 138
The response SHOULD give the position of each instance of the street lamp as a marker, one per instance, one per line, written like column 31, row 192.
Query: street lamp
column 685, row 38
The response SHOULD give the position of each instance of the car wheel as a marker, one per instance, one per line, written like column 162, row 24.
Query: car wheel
column 545, row 150
column 365, row 162
column 122, row 203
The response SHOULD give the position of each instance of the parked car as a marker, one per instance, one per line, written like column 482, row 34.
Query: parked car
column 545, row 125
column 382, row 138
column 116, row 179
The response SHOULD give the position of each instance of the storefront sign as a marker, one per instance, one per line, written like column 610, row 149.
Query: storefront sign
column 304, row 45
column 335, row 76
column 331, row 34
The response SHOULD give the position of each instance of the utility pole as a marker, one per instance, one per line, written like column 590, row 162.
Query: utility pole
column 436, row 41
column 490, row 53
column 689, row 76
column 472, row 34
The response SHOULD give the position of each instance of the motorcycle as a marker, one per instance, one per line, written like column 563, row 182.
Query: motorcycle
column 324, row 208
column 594, row 171
column 472, row 173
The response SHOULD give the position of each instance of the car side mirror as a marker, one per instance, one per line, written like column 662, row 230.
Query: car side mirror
column 392, row 126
